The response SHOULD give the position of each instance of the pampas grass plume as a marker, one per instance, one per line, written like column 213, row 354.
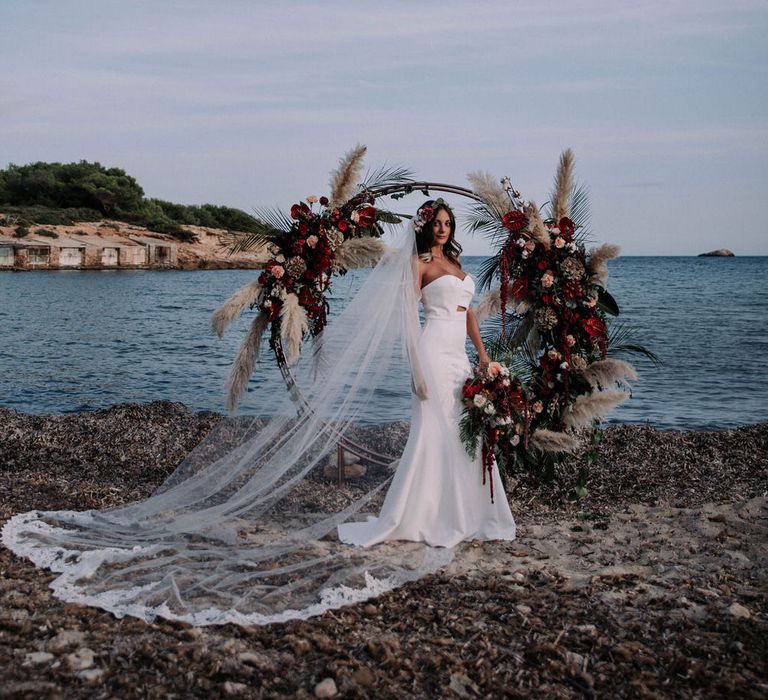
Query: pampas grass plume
column 358, row 253
column 597, row 264
column 345, row 178
column 589, row 407
column 553, row 441
column 489, row 305
column 605, row 373
column 247, row 355
column 232, row 307
column 536, row 228
column 563, row 185
column 293, row 326
column 491, row 191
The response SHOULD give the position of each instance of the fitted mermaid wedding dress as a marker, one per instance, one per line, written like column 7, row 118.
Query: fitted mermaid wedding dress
column 437, row 495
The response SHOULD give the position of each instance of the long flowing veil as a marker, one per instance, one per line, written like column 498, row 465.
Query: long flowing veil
column 244, row 530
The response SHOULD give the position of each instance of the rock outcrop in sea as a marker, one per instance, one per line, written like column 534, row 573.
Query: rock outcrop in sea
column 719, row 253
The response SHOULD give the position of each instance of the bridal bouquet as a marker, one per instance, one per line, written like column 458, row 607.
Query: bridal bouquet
column 494, row 410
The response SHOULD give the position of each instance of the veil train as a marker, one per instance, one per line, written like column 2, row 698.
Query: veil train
column 238, row 533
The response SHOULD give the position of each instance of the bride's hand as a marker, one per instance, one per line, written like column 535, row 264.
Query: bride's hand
column 419, row 389
column 483, row 359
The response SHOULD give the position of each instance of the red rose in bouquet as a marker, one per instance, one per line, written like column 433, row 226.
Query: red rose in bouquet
column 514, row 221
column 343, row 225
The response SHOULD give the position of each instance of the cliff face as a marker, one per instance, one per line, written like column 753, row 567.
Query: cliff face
column 115, row 245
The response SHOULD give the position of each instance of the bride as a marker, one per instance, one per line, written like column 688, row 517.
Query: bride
column 437, row 495
column 243, row 530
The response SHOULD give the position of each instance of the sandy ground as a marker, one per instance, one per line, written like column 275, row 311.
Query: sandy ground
column 654, row 585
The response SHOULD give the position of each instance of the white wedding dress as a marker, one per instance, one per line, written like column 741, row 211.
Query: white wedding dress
column 437, row 495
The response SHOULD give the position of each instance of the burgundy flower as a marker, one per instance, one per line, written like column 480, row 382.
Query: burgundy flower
column 567, row 227
column 520, row 288
column 366, row 217
column 594, row 327
column 343, row 225
column 324, row 201
column 514, row 221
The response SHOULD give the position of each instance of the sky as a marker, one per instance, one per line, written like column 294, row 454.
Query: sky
column 251, row 104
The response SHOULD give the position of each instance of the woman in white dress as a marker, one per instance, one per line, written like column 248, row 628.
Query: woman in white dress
column 437, row 495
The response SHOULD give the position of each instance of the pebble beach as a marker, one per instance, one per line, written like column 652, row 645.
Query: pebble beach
column 653, row 585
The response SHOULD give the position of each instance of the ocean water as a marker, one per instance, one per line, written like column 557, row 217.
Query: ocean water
column 80, row 340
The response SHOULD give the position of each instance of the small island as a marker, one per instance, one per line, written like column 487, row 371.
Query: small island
column 719, row 253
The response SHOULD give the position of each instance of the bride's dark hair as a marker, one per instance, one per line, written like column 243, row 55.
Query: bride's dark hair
column 424, row 238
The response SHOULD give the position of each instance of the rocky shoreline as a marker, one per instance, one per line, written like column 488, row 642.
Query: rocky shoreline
column 654, row 585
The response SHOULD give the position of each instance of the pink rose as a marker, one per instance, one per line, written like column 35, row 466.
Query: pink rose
column 278, row 271
column 312, row 241
column 493, row 369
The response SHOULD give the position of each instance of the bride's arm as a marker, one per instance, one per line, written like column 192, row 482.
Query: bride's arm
column 473, row 329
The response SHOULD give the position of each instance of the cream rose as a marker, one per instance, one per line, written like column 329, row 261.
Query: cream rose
column 278, row 271
column 312, row 241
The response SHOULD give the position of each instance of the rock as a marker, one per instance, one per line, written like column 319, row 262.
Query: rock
column 83, row 658
column 66, row 639
column 233, row 689
column 574, row 660
column 370, row 609
column 364, row 676
column 36, row 658
column 351, row 471
column 739, row 611
column 259, row 661
column 326, row 688
column 719, row 253
column 92, row 676
column 463, row 686
column 523, row 609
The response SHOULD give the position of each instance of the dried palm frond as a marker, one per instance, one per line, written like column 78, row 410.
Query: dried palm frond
column 359, row 252
column 580, row 213
column 597, row 264
column 232, row 307
column 606, row 373
column 386, row 176
column 536, row 227
column 621, row 341
column 294, row 325
column 345, row 178
column 482, row 218
column 554, row 441
column 491, row 191
column 561, row 193
column 589, row 407
column 245, row 361
column 533, row 340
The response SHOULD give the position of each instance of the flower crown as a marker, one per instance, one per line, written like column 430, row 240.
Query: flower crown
column 425, row 214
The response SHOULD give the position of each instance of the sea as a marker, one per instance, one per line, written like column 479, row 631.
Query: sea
column 75, row 341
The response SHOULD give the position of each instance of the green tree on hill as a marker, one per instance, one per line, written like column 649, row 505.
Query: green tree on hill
column 62, row 193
